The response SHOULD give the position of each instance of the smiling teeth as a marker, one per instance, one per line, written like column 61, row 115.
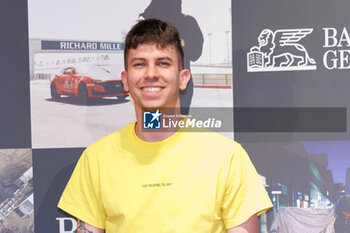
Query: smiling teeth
column 151, row 89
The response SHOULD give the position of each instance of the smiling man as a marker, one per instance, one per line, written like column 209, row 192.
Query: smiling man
column 155, row 181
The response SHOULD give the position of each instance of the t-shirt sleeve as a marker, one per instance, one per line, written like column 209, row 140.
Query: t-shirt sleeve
column 81, row 197
column 245, row 195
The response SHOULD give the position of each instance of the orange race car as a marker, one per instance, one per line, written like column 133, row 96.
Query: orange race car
column 84, row 82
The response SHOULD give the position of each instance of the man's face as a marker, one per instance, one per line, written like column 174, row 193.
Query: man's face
column 153, row 76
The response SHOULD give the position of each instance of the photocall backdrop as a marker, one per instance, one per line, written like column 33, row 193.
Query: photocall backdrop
column 290, row 91
column 291, row 79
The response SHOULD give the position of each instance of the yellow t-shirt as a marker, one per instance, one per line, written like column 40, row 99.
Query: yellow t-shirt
column 190, row 182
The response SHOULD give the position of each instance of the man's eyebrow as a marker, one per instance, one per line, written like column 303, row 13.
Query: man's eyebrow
column 137, row 59
column 164, row 58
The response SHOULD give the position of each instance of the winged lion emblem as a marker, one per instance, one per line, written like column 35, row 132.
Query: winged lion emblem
column 282, row 48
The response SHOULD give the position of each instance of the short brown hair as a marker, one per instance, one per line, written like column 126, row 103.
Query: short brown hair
column 153, row 30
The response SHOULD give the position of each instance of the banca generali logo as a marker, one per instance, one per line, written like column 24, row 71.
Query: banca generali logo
column 280, row 51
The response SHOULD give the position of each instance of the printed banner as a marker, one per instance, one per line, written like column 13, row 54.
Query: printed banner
column 291, row 68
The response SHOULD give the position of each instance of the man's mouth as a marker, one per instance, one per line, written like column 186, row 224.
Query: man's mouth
column 151, row 89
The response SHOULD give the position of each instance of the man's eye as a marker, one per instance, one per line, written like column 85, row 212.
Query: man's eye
column 163, row 63
column 139, row 64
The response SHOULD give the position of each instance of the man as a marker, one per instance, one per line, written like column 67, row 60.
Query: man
column 140, row 181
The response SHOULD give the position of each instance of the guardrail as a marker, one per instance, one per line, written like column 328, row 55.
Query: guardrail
column 42, row 76
column 199, row 80
column 212, row 80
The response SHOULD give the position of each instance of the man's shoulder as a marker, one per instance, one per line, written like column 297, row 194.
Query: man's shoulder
column 211, row 135
column 112, row 140
column 215, row 140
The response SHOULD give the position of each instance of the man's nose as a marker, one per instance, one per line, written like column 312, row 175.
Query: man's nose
column 151, row 73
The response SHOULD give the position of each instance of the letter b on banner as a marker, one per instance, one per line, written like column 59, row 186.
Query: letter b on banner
column 67, row 225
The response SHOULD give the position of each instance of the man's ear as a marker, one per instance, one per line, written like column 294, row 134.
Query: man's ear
column 185, row 76
column 124, row 76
